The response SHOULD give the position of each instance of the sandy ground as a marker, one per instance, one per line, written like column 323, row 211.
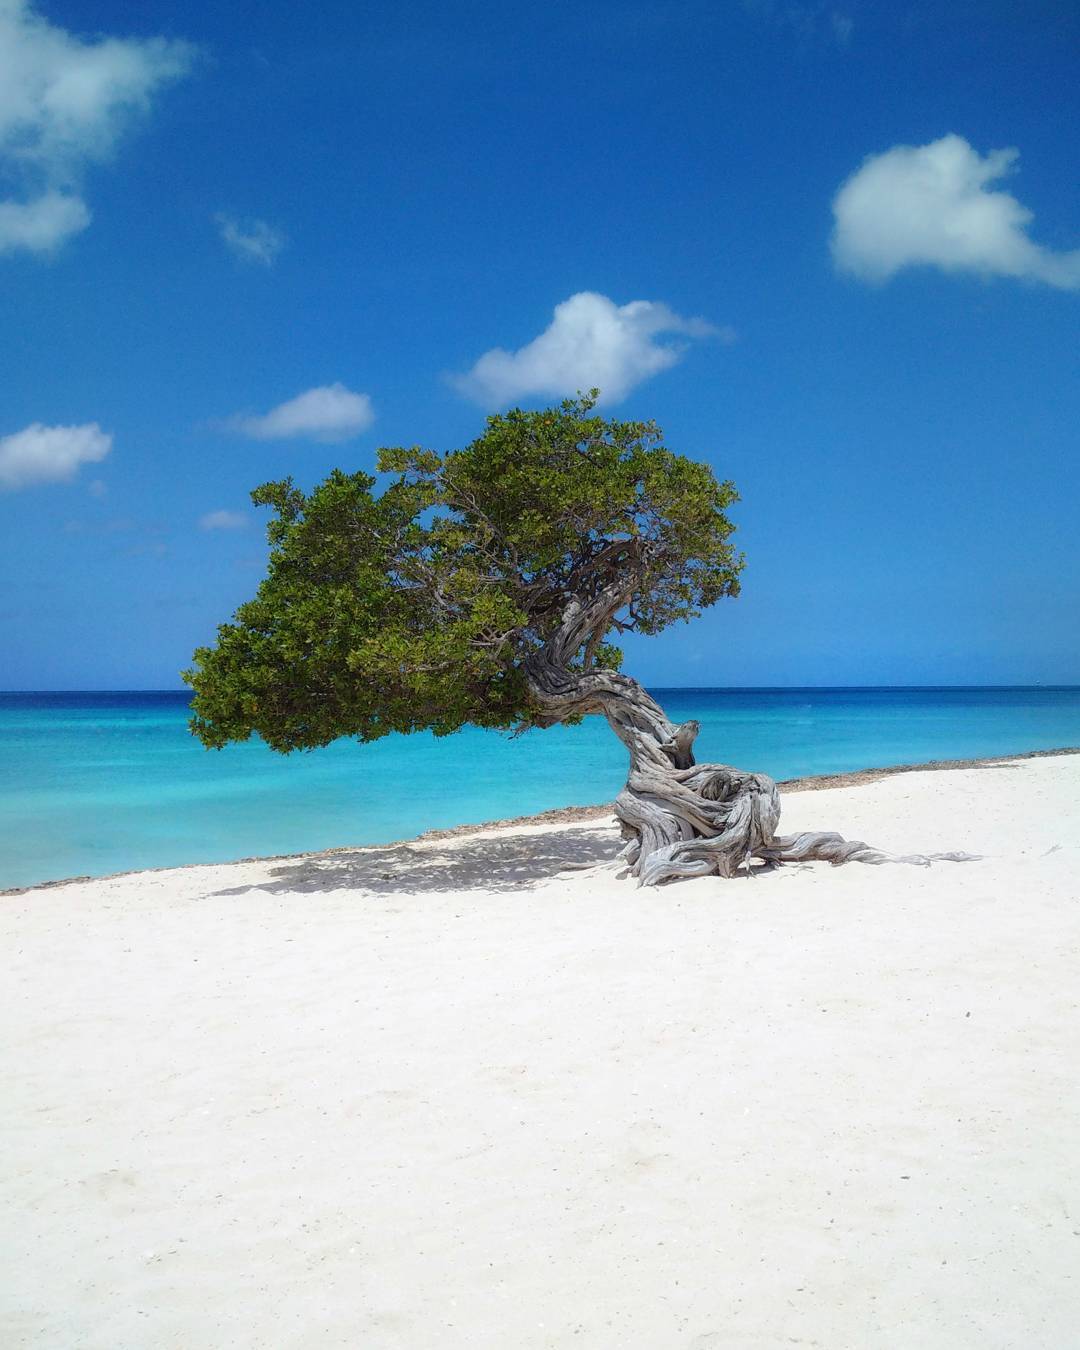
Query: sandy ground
column 441, row 1095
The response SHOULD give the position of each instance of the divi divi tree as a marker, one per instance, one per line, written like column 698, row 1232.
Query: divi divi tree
column 489, row 586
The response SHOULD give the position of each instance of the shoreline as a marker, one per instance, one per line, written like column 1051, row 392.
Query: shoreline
column 567, row 815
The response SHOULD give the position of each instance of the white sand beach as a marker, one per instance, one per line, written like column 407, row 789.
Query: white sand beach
column 452, row 1095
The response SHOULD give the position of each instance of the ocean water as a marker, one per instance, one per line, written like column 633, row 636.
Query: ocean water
column 105, row 782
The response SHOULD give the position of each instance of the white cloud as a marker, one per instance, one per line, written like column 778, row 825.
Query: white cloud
column 328, row 413
column 40, row 454
column 223, row 520
column 590, row 343
column 64, row 103
column 43, row 224
column 252, row 240
column 931, row 205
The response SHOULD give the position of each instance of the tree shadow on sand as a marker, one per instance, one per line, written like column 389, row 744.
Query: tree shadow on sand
column 508, row 863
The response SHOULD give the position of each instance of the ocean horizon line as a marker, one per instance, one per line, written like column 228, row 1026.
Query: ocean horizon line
column 659, row 689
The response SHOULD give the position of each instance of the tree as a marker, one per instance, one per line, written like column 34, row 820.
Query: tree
column 484, row 586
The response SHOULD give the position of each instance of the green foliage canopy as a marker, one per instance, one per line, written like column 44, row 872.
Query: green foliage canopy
column 418, row 606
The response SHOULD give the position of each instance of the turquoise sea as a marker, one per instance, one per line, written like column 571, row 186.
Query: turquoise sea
column 105, row 782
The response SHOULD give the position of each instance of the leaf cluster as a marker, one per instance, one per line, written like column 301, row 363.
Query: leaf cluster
column 418, row 606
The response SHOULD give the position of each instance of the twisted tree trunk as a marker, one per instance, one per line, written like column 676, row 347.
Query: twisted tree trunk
column 680, row 818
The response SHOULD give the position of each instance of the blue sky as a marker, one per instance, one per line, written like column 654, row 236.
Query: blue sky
column 239, row 241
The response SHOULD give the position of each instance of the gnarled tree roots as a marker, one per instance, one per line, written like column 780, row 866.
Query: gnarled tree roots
column 683, row 819
column 711, row 819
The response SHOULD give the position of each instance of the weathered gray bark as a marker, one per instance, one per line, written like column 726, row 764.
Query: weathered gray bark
column 680, row 819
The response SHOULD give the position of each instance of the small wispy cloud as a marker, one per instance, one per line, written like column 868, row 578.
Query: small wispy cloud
column 144, row 538
column 43, row 224
column 65, row 103
column 223, row 520
column 805, row 18
column 147, row 548
column 41, row 454
column 329, row 413
column 98, row 527
column 842, row 25
column 591, row 342
column 932, row 205
column 252, row 240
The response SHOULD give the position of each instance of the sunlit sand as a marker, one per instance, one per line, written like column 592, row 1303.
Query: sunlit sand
column 453, row 1094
